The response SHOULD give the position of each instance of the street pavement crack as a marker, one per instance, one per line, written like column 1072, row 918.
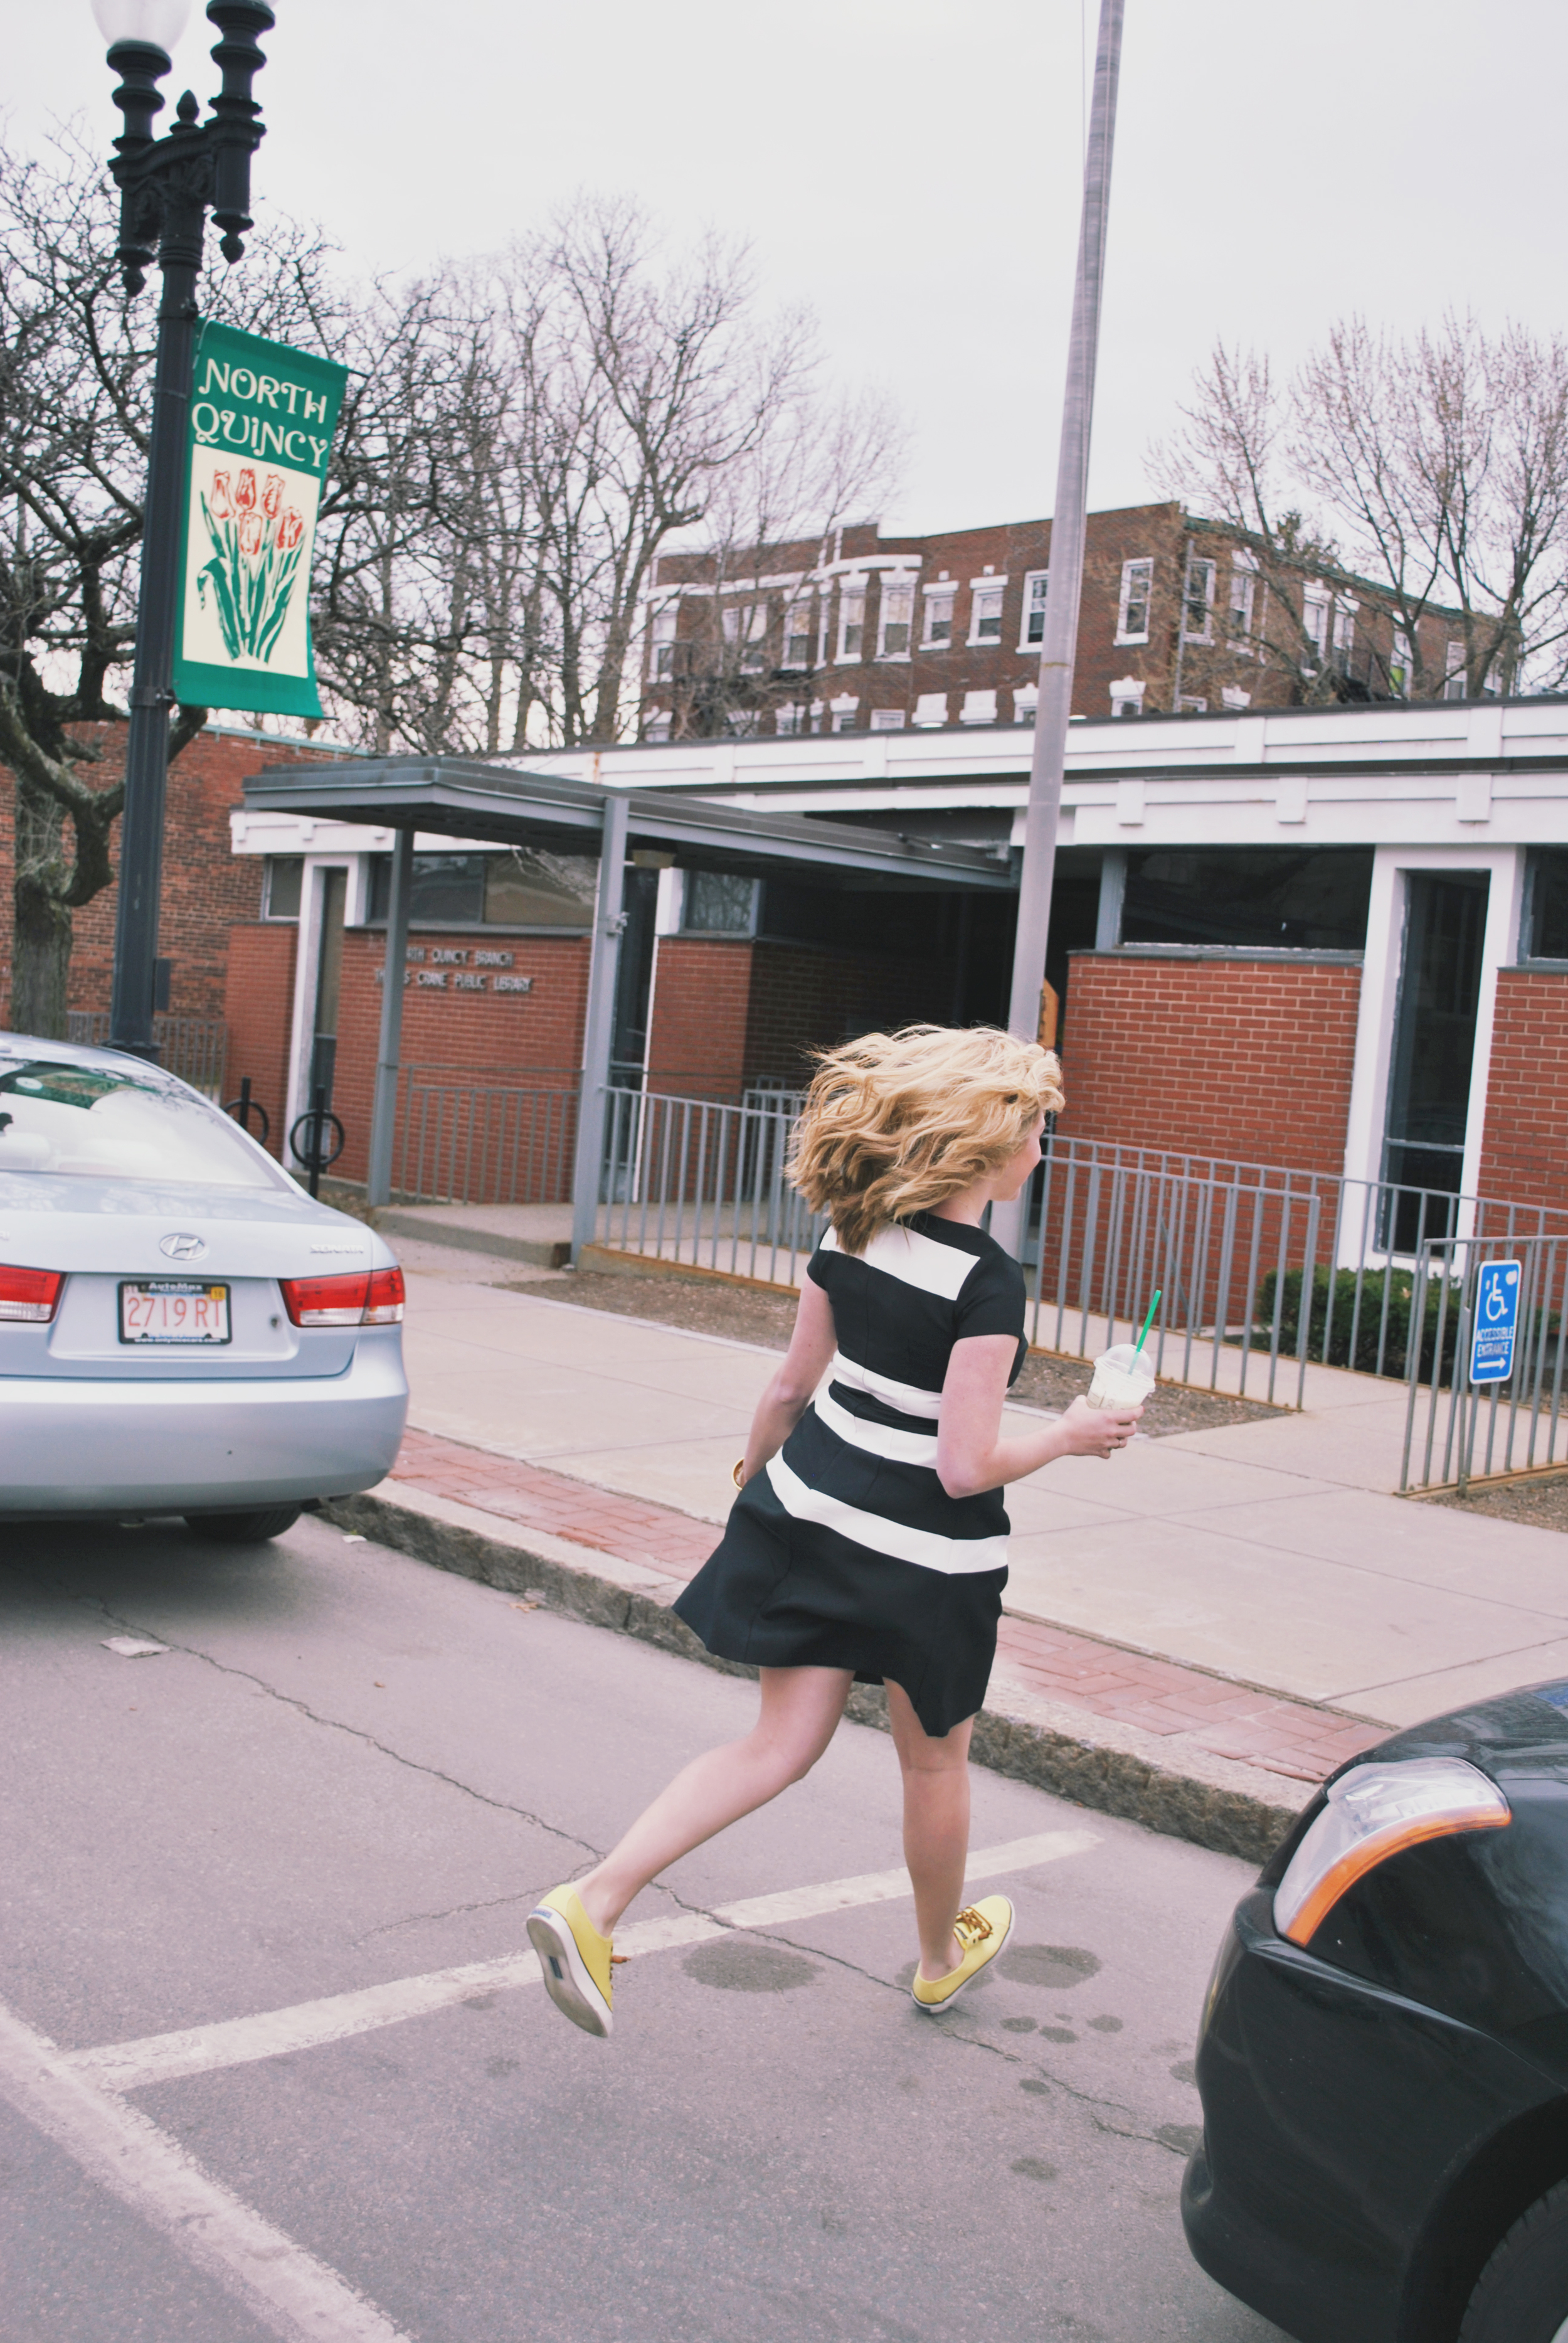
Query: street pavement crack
column 353, row 1732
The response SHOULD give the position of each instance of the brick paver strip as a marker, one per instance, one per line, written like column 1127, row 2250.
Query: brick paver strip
column 1282, row 1736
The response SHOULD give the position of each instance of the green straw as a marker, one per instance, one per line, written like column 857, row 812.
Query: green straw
column 1149, row 1321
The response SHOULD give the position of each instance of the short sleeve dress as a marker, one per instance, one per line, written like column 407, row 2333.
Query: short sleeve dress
column 847, row 1552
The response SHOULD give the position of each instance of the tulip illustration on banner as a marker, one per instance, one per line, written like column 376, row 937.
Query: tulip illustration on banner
column 255, row 563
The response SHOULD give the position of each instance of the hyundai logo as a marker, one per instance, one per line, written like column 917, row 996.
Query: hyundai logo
column 182, row 1246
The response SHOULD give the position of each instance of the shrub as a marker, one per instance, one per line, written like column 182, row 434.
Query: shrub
column 1339, row 1314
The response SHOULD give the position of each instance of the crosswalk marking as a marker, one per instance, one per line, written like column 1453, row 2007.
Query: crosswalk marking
column 309, row 2024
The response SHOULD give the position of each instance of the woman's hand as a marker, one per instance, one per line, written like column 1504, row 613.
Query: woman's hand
column 1097, row 1431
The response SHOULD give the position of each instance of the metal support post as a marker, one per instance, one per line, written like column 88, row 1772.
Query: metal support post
column 610, row 923
column 384, row 1110
column 1068, row 529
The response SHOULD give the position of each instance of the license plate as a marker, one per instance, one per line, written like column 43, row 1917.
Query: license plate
column 173, row 1309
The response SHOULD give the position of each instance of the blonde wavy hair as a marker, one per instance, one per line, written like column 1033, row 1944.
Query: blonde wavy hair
column 895, row 1124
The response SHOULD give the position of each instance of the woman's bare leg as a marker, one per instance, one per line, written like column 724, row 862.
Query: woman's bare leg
column 936, row 1828
column 800, row 1712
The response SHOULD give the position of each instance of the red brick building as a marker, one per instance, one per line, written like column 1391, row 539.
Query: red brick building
column 863, row 632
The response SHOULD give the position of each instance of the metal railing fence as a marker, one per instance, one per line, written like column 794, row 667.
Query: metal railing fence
column 1517, row 1425
column 194, row 1048
column 466, row 1142
column 702, row 1183
column 1261, row 1269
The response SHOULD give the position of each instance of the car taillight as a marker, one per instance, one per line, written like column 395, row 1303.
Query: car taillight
column 1372, row 1812
column 364, row 1297
column 30, row 1294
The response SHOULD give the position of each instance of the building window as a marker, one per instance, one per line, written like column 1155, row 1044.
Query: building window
column 719, row 903
column 1025, row 703
column 1456, row 681
column 1133, row 609
column 743, row 723
column 1243, row 596
column 746, row 629
column 282, row 875
column 843, row 711
column 1344, row 633
column 1400, row 666
column 979, row 708
column 1547, row 905
column 662, row 657
column 986, row 596
column 887, row 720
column 797, row 635
column 1127, row 697
column 852, row 619
column 1191, row 706
column 517, row 890
column 1036, row 585
column 1301, row 898
column 896, row 621
column 1233, row 697
column 940, row 600
column 790, row 721
column 1315, row 627
column 1198, row 602
column 930, row 711
column 657, row 725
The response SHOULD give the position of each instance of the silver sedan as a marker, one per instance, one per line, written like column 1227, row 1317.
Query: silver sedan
column 181, row 1329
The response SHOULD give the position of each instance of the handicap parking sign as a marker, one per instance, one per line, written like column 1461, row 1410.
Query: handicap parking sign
column 1496, row 1322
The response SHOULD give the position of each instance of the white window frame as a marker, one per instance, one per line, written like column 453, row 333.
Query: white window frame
column 1201, row 574
column 1126, row 696
column 1315, row 605
column 1244, row 585
column 851, row 614
column 791, row 721
column 903, row 586
column 1025, row 703
column 926, row 718
column 1401, row 663
column 982, row 590
column 946, row 591
column 1344, row 631
column 799, row 626
column 842, row 712
column 751, row 638
column 1453, row 674
column 657, row 724
column 979, row 706
column 661, row 633
column 1032, row 579
column 1233, row 697
column 1129, row 597
column 888, row 720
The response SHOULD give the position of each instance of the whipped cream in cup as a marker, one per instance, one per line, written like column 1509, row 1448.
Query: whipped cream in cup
column 1123, row 1377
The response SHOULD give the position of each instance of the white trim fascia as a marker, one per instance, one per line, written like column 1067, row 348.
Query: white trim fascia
column 982, row 585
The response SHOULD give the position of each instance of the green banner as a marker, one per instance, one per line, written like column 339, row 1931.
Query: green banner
column 261, row 423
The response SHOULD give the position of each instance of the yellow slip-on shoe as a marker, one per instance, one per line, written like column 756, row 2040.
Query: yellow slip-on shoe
column 575, row 1958
column 982, row 1930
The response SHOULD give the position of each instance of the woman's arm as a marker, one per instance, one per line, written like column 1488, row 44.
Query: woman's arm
column 788, row 1395
column 970, row 1455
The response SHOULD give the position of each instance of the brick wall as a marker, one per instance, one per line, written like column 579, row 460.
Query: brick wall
column 470, row 1036
column 701, row 1010
column 205, row 888
column 1524, row 1150
column 258, row 1004
column 1233, row 1057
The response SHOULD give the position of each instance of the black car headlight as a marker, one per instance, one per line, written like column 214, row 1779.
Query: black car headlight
column 1374, row 1811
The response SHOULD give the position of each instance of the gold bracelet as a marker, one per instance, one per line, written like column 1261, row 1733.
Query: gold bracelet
column 737, row 1472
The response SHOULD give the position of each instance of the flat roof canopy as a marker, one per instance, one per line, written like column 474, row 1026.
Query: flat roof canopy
column 458, row 797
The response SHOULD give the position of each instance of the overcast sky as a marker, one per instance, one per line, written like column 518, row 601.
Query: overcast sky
column 913, row 171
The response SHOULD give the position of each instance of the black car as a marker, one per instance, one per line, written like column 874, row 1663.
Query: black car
column 1383, row 2052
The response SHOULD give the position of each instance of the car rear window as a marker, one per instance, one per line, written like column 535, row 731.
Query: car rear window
column 98, row 1122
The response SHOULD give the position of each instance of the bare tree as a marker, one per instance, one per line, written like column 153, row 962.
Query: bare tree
column 1425, row 483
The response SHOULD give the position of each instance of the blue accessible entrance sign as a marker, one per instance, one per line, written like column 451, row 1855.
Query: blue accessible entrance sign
column 1496, row 1322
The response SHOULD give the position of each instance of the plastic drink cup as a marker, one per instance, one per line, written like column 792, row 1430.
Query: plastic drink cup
column 1123, row 1377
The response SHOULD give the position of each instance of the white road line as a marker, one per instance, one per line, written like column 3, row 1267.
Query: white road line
column 308, row 2024
column 297, row 2298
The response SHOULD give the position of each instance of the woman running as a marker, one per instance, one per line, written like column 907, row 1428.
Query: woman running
column 869, row 1541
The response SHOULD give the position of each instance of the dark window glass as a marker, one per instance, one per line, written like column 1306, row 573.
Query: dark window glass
column 719, row 903
column 1548, row 925
column 284, row 875
column 447, row 890
column 1306, row 898
column 506, row 890
column 1433, row 1046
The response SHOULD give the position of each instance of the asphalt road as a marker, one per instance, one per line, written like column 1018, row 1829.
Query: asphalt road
column 348, row 1772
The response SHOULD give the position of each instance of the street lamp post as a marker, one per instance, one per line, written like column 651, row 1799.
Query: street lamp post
column 167, row 185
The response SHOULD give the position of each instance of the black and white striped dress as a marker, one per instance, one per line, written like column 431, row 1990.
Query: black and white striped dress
column 847, row 1552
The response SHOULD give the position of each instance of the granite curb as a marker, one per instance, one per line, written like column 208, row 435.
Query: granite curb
column 1213, row 1802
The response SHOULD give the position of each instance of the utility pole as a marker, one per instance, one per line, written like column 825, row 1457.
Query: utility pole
column 1068, row 526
